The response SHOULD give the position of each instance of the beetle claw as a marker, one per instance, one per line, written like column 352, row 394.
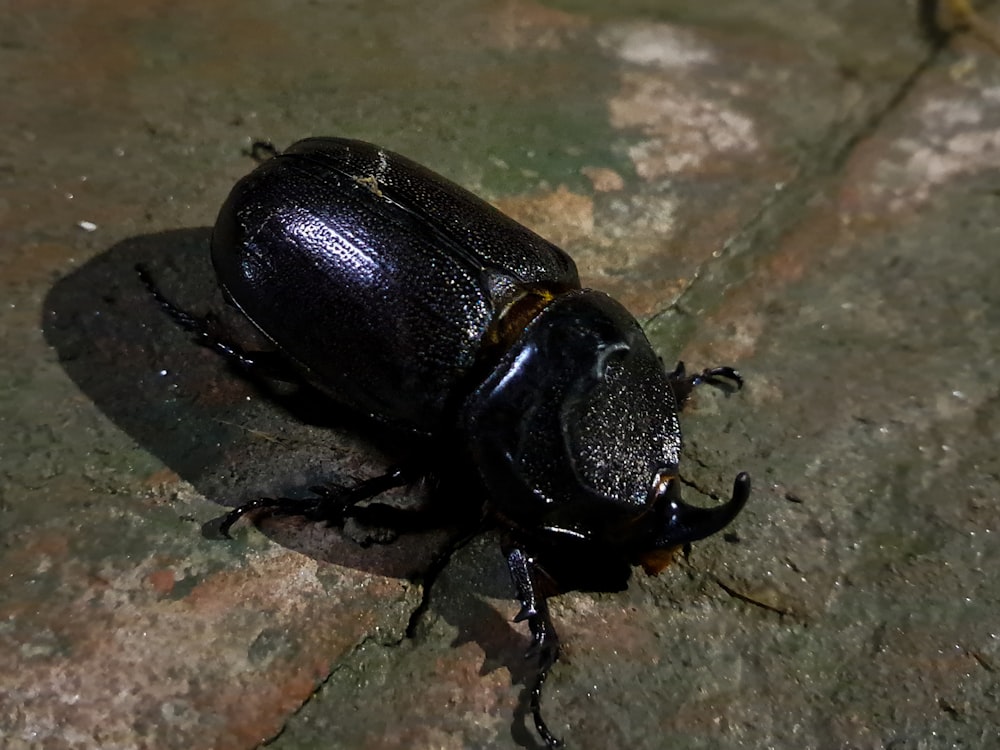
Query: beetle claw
column 714, row 374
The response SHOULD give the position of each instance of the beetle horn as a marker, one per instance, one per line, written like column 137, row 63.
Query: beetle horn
column 689, row 523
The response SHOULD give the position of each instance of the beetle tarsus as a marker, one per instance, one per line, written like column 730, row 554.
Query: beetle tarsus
column 712, row 375
column 183, row 318
column 545, row 643
column 544, row 640
column 331, row 503
column 726, row 378
column 237, row 513
column 548, row 738
column 205, row 329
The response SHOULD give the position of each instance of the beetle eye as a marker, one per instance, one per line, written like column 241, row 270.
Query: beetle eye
column 665, row 484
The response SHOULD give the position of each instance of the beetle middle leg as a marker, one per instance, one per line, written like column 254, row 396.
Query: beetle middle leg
column 721, row 377
column 329, row 505
column 209, row 333
column 545, row 641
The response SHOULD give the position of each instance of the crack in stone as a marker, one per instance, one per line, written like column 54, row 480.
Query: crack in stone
column 779, row 212
column 751, row 600
column 345, row 662
column 385, row 641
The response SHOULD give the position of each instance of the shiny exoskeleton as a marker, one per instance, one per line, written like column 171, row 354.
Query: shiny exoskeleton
column 408, row 299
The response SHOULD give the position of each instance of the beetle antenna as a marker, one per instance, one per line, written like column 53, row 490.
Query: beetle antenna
column 689, row 523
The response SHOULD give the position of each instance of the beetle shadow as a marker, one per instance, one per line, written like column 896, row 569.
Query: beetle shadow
column 232, row 438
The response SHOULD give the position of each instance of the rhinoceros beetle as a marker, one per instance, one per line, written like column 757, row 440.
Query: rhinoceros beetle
column 406, row 298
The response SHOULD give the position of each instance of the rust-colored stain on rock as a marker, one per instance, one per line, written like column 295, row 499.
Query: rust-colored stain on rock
column 562, row 216
column 162, row 581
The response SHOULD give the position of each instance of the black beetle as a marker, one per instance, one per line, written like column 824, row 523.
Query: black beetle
column 408, row 299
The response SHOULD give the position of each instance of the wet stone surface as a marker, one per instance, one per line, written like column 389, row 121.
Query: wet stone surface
column 807, row 191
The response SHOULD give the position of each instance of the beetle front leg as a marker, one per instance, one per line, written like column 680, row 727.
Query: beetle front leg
column 721, row 377
column 545, row 641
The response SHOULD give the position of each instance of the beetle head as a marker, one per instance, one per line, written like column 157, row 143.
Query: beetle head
column 575, row 434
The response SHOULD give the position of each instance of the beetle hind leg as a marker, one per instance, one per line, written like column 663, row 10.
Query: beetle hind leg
column 545, row 641
column 208, row 333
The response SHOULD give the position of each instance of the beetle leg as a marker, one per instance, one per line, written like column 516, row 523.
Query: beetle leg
column 330, row 505
column 277, row 503
column 545, row 641
column 206, row 331
column 721, row 377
